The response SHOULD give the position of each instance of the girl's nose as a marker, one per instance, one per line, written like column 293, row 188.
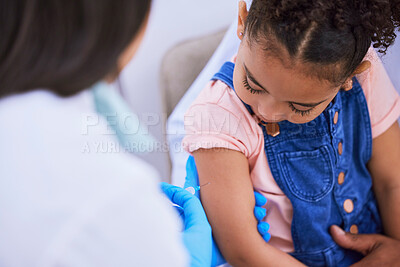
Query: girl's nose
column 272, row 111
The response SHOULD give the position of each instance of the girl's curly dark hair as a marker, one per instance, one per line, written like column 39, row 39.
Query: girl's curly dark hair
column 332, row 36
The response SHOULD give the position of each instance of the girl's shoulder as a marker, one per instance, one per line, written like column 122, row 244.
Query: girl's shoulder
column 374, row 76
column 216, row 92
column 218, row 119
column 219, row 98
column 382, row 98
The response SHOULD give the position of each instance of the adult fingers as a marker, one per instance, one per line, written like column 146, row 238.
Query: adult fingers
column 179, row 196
column 263, row 228
column 192, row 177
column 259, row 213
column 180, row 211
column 363, row 243
column 260, row 199
column 192, row 208
column 267, row 237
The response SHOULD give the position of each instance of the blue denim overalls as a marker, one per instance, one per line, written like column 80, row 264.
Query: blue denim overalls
column 321, row 167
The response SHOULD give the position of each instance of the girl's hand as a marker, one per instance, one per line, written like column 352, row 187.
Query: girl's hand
column 378, row 250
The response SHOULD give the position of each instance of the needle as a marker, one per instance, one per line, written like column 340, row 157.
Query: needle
column 193, row 190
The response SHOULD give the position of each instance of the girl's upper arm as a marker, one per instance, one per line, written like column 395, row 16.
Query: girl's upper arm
column 229, row 203
column 385, row 171
column 385, row 160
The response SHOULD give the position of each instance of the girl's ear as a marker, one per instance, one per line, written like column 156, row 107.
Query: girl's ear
column 242, row 19
column 348, row 85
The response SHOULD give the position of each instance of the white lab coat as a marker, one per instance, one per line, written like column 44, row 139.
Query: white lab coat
column 69, row 196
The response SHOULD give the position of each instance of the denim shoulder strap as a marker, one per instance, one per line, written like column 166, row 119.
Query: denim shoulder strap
column 225, row 74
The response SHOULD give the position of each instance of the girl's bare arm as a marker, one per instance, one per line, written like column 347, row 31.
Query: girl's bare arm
column 229, row 203
column 385, row 170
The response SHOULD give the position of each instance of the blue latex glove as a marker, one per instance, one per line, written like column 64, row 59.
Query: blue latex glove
column 192, row 180
column 197, row 233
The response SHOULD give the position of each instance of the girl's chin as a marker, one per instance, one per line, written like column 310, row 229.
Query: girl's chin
column 266, row 120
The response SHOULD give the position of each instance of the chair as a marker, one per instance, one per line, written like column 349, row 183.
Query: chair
column 182, row 64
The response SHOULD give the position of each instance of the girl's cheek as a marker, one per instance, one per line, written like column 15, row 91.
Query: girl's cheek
column 241, row 92
column 246, row 96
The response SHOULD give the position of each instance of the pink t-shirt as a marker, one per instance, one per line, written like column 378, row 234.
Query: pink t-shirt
column 218, row 119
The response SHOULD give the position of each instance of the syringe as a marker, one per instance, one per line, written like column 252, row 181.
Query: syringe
column 192, row 190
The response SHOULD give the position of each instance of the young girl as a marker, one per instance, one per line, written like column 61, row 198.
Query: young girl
column 297, row 115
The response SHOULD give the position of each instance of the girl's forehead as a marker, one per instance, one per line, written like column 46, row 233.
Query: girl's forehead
column 283, row 77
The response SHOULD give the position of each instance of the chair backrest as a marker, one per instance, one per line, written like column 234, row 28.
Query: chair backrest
column 182, row 64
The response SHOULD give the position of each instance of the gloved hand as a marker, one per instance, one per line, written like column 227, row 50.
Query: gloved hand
column 197, row 231
column 192, row 180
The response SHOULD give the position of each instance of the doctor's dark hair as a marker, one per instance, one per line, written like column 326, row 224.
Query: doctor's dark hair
column 330, row 37
column 64, row 46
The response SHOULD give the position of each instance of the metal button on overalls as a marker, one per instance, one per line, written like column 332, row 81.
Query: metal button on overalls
column 340, row 148
column 354, row 229
column 336, row 117
column 348, row 205
column 341, row 178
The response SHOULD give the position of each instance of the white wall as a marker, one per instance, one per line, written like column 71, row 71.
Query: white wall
column 171, row 22
column 392, row 62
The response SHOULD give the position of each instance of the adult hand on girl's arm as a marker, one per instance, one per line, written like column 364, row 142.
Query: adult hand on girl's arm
column 385, row 171
column 229, row 203
column 378, row 250
column 197, row 232
column 192, row 181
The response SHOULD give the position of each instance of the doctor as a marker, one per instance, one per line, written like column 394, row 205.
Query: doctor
column 69, row 194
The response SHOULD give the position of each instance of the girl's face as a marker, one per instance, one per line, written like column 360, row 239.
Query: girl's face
column 276, row 92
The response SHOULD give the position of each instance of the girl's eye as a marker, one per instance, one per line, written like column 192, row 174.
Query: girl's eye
column 301, row 112
column 249, row 88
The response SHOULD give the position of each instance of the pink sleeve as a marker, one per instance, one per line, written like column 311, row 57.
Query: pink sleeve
column 382, row 98
column 213, row 126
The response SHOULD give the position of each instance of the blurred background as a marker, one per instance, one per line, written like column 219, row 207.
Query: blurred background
column 171, row 22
